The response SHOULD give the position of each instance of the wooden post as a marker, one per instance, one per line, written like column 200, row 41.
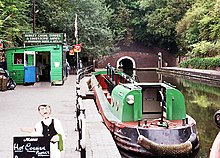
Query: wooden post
column 160, row 63
column 34, row 14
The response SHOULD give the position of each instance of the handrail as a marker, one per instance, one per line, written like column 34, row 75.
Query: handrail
column 169, row 84
column 111, row 71
column 82, row 72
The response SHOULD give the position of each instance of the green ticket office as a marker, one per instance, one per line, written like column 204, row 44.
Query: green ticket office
column 42, row 63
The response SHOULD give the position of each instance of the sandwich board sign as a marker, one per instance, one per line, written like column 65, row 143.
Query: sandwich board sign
column 31, row 147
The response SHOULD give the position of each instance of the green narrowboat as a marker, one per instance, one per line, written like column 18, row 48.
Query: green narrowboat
column 36, row 63
column 145, row 119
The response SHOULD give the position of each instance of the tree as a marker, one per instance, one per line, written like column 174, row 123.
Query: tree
column 152, row 21
column 94, row 32
column 160, row 20
column 93, row 19
column 14, row 21
column 198, row 31
column 120, row 22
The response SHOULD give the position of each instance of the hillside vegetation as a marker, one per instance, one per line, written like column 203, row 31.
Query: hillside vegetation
column 182, row 27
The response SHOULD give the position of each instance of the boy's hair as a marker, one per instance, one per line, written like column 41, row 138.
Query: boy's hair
column 42, row 105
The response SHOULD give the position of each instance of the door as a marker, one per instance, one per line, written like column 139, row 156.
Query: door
column 29, row 67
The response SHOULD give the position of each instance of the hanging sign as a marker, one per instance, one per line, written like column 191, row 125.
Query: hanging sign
column 31, row 147
column 1, row 44
column 77, row 48
column 71, row 52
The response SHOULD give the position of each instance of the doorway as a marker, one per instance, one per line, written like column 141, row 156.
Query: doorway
column 43, row 66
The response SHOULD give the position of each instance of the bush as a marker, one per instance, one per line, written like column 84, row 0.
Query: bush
column 205, row 49
column 201, row 63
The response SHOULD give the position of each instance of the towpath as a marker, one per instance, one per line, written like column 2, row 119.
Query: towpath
column 19, row 109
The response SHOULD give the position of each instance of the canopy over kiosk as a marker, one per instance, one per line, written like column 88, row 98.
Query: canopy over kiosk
column 30, row 64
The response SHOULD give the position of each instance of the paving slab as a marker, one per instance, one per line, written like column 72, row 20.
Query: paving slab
column 18, row 108
column 99, row 141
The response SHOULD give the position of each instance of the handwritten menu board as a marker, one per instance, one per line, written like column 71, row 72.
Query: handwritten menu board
column 31, row 147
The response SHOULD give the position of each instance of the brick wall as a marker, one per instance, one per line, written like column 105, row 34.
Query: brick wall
column 142, row 59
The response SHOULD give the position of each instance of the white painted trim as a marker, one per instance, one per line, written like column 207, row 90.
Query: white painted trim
column 127, row 57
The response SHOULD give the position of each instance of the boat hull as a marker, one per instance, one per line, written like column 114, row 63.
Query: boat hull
column 165, row 142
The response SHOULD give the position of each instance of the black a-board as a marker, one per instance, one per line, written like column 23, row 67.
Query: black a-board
column 31, row 147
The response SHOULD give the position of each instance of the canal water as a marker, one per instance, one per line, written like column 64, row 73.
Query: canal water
column 202, row 101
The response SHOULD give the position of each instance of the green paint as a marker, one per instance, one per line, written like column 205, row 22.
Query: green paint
column 126, row 112
column 16, row 71
column 175, row 104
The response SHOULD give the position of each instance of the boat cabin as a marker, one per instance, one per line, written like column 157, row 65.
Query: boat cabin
column 133, row 101
column 150, row 101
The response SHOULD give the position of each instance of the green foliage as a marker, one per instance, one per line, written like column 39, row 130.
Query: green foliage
column 52, row 15
column 199, row 29
column 14, row 21
column 160, row 20
column 187, row 25
column 201, row 63
column 205, row 49
column 151, row 21
column 94, row 32
column 58, row 16
column 123, row 19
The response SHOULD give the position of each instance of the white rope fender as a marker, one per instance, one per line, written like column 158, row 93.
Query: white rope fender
column 161, row 149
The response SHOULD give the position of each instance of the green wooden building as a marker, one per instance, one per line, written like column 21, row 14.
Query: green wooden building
column 38, row 63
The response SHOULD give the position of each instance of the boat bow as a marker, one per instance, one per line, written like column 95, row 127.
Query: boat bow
column 172, row 149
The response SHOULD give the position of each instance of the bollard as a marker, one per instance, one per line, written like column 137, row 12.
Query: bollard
column 183, row 122
column 83, row 153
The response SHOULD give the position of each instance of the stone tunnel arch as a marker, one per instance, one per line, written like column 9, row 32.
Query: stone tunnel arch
column 126, row 61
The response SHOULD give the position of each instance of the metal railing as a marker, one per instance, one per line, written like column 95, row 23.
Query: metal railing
column 81, row 123
column 83, row 72
column 81, row 112
column 111, row 71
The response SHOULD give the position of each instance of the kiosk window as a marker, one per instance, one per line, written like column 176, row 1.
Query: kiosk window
column 19, row 58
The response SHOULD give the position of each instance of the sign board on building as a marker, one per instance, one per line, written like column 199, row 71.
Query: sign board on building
column 31, row 147
column 43, row 38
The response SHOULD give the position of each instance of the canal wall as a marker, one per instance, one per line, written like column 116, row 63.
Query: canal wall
column 212, row 75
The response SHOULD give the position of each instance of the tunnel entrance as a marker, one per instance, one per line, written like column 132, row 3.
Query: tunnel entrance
column 127, row 64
